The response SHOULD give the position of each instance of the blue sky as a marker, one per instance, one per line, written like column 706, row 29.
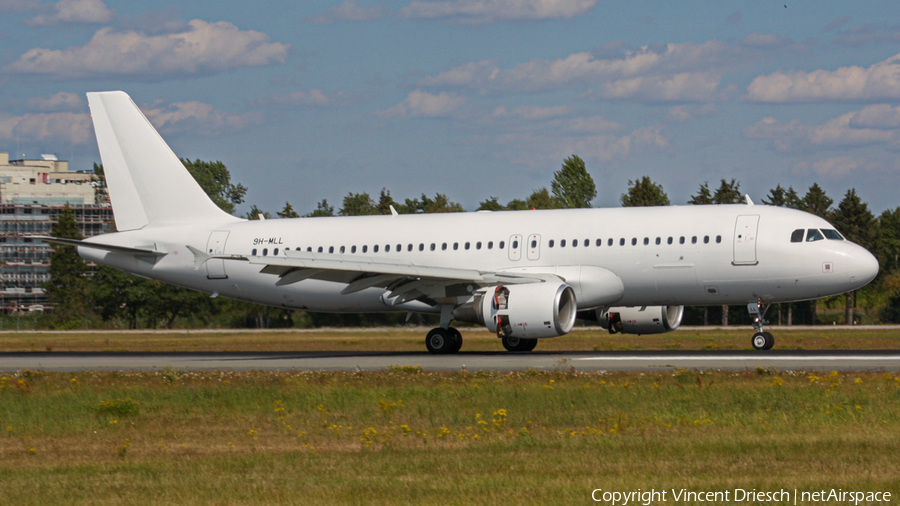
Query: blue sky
column 473, row 98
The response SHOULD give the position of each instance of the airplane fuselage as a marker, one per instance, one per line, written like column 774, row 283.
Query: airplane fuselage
column 678, row 255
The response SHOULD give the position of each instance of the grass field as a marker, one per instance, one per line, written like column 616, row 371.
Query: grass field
column 413, row 339
column 405, row 436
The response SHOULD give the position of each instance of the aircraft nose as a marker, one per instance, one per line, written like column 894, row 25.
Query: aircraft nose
column 863, row 267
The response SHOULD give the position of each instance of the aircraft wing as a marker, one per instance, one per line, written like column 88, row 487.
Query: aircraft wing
column 406, row 281
column 100, row 246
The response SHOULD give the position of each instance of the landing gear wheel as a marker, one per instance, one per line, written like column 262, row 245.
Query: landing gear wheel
column 439, row 341
column 457, row 340
column 770, row 340
column 763, row 341
column 517, row 344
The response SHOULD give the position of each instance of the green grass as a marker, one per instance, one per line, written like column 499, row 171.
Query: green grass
column 405, row 436
column 413, row 340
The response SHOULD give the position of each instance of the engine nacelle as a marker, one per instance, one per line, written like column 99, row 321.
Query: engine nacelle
column 638, row 319
column 529, row 311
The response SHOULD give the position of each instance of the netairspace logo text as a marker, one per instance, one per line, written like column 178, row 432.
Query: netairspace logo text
column 737, row 495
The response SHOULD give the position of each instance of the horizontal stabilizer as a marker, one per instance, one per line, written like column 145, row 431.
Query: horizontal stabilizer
column 95, row 245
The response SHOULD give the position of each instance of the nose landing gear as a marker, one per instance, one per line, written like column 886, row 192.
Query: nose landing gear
column 761, row 340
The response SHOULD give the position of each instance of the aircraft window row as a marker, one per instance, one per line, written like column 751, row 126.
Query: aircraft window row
column 634, row 241
column 815, row 234
column 399, row 247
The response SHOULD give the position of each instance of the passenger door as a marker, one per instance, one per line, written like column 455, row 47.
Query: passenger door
column 745, row 230
column 215, row 267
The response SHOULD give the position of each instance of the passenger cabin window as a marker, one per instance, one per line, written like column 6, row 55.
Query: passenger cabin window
column 502, row 244
column 634, row 241
column 468, row 246
column 375, row 248
column 421, row 247
column 432, row 247
column 669, row 240
column 562, row 243
column 276, row 250
column 399, row 248
column 609, row 242
column 832, row 234
column 515, row 244
column 681, row 240
column 478, row 245
column 599, row 242
column 490, row 244
column 455, row 246
column 265, row 251
column 813, row 234
column 550, row 243
column 797, row 235
column 705, row 239
column 365, row 248
column 320, row 249
column 646, row 241
column 253, row 252
column 409, row 247
column 587, row 242
column 622, row 242
column 718, row 239
column 694, row 240
column 387, row 248
column 352, row 249
column 331, row 249
column 533, row 243
column 444, row 247
column 574, row 243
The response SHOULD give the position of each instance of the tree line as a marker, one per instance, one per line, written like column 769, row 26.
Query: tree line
column 108, row 297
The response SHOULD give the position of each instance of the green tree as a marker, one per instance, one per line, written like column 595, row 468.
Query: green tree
column 439, row 204
column 888, row 240
column 288, row 211
column 168, row 302
column 855, row 222
column 572, row 186
column 385, row 202
column 816, row 202
column 322, row 209
column 254, row 212
column 703, row 196
column 491, row 204
column 517, row 205
column 780, row 197
column 101, row 192
column 116, row 294
column 728, row 193
column 358, row 204
column 644, row 192
column 215, row 180
column 540, row 199
column 67, row 290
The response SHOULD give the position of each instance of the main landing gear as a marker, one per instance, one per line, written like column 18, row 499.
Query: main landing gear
column 761, row 340
column 518, row 344
column 443, row 340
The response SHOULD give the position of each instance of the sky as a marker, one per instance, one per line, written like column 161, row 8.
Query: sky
column 313, row 100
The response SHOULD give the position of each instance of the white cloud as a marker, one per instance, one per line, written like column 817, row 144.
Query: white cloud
column 490, row 11
column 197, row 118
column 313, row 97
column 16, row 6
column 878, row 82
column 880, row 116
column 670, row 72
column 796, row 137
column 70, row 127
column 836, row 167
column 74, row 11
column 423, row 104
column 868, row 34
column 349, row 10
column 203, row 49
column 532, row 112
column 682, row 113
column 60, row 101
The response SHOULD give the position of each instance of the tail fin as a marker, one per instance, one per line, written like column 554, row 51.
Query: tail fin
column 148, row 184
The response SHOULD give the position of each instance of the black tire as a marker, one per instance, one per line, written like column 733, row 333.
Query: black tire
column 760, row 341
column 770, row 340
column 518, row 344
column 457, row 340
column 439, row 341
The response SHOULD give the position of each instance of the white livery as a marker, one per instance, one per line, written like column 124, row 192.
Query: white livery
column 524, row 274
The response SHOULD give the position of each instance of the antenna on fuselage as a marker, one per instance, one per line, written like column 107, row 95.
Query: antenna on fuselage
column 747, row 198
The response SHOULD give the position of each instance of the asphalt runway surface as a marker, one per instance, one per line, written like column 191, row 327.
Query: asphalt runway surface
column 888, row 360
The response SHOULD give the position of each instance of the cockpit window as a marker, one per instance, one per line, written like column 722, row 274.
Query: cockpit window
column 797, row 235
column 813, row 234
column 834, row 235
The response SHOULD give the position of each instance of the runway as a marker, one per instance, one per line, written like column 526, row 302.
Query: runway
column 888, row 360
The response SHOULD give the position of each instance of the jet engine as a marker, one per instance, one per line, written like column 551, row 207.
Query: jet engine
column 528, row 311
column 637, row 319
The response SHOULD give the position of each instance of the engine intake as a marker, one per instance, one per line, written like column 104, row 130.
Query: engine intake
column 637, row 319
column 527, row 311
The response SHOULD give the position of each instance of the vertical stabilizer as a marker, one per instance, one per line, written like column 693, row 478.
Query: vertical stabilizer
column 148, row 184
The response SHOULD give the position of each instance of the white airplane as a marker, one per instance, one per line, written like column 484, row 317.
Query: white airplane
column 525, row 275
